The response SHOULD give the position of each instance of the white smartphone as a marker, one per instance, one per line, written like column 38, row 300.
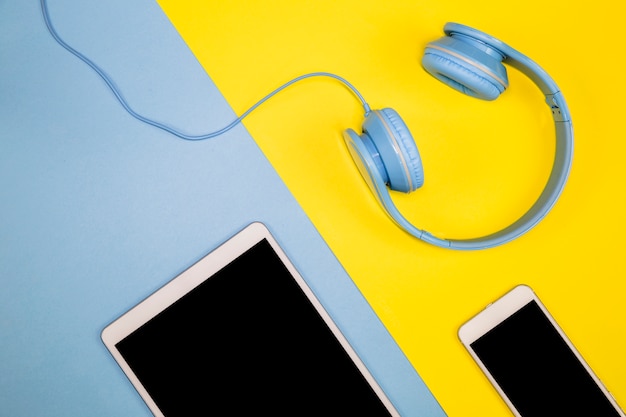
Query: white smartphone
column 531, row 362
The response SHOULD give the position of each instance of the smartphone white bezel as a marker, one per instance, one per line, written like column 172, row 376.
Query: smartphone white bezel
column 202, row 270
column 498, row 311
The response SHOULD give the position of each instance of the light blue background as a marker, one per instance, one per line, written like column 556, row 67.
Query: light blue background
column 98, row 210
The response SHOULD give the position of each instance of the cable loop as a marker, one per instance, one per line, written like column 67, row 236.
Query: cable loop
column 109, row 82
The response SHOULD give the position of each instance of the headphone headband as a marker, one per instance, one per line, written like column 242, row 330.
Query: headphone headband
column 497, row 50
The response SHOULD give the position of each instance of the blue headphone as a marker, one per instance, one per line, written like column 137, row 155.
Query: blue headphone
column 471, row 62
column 385, row 152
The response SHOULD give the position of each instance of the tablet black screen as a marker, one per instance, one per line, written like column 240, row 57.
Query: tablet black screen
column 247, row 341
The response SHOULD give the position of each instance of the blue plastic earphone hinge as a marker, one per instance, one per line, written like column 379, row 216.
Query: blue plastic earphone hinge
column 560, row 112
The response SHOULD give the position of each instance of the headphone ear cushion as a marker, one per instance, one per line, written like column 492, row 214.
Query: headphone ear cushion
column 397, row 149
column 465, row 68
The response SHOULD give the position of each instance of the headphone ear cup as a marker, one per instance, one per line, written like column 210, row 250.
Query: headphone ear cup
column 465, row 67
column 396, row 149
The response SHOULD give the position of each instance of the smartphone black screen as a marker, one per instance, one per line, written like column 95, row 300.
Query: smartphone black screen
column 247, row 341
column 537, row 370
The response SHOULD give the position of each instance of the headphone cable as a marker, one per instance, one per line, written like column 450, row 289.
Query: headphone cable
column 109, row 82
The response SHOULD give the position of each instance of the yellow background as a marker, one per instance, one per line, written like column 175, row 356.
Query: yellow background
column 485, row 162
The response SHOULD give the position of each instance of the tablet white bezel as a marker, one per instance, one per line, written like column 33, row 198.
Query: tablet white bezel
column 202, row 270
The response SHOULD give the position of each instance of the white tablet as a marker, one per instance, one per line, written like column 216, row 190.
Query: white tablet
column 241, row 333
